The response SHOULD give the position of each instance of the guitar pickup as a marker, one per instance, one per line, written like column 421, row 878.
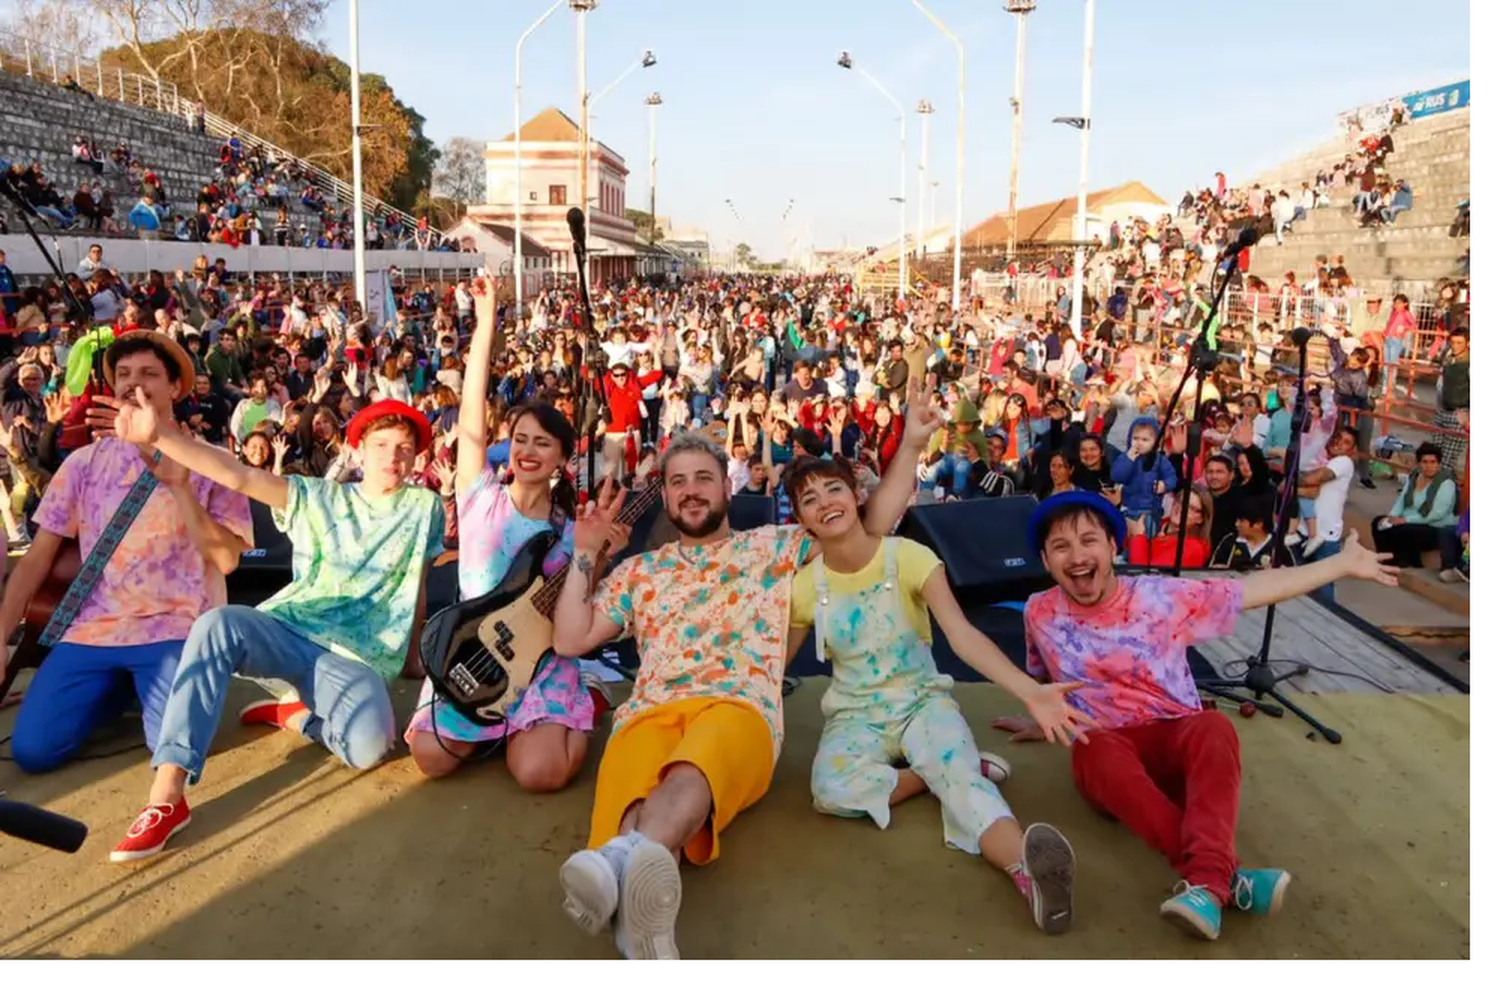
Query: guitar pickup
column 461, row 678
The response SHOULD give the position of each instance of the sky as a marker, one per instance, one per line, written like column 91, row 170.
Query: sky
column 755, row 109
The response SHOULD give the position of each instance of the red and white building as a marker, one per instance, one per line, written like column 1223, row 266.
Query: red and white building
column 550, row 185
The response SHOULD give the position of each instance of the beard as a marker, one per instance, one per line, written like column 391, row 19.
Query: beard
column 712, row 519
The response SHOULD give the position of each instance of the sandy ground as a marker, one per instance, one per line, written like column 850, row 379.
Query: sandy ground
column 291, row 856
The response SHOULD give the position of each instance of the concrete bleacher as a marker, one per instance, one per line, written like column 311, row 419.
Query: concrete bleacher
column 39, row 121
column 1410, row 256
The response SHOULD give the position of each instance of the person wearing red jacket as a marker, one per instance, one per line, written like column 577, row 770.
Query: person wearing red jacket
column 622, row 392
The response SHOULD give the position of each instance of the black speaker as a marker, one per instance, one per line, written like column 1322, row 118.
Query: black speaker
column 982, row 543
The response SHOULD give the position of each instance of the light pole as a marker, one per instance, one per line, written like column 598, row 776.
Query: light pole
column 958, row 187
column 517, row 258
column 359, row 169
column 582, row 8
column 1020, row 8
column 846, row 61
column 1084, row 126
column 924, row 108
column 652, row 104
column 590, row 102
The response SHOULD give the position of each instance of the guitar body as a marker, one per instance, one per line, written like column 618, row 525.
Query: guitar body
column 482, row 653
column 29, row 651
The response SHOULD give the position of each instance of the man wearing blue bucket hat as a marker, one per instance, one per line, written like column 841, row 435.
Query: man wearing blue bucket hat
column 1155, row 760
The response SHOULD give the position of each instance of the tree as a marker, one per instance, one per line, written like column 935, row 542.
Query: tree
column 61, row 20
column 460, row 171
column 744, row 256
column 643, row 228
column 257, row 63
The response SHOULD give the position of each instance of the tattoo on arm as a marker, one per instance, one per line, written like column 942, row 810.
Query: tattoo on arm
column 584, row 562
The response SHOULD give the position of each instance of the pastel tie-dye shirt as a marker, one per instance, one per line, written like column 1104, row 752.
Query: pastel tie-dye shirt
column 710, row 620
column 156, row 583
column 1130, row 651
column 491, row 532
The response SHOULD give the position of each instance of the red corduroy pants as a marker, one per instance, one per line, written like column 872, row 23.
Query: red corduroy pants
column 1176, row 785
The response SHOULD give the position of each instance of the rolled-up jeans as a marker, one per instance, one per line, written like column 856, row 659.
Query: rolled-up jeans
column 950, row 468
column 349, row 707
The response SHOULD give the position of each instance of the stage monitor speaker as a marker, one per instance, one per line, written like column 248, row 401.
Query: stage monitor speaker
column 982, row 542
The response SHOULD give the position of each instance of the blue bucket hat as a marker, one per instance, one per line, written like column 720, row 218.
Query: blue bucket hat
column 1049, row 507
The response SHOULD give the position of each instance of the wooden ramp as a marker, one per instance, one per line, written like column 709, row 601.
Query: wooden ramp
column 1342, row 657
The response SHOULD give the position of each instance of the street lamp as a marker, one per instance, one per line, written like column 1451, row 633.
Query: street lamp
column 958, row 187
column 646, row 61
column 582, row 9
column 1020, row 8
column 925, row 109
column 1084, row 125
column 652, row 103
column 846, row 61
column 517, row 258
column 359, row 171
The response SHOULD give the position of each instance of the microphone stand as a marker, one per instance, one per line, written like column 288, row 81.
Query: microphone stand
column 1202, row 359
column 585, row 410
column 1259, row 678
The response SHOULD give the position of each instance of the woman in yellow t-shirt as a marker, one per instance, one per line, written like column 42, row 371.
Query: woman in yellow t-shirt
column 866, row 598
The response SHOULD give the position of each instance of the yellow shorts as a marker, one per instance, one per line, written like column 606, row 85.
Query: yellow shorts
column 728, row 741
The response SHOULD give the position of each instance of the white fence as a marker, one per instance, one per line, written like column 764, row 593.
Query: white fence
column 138, row 256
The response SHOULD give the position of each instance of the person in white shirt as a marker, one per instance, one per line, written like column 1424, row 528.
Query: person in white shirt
column 93, row 262
column 1329, row 488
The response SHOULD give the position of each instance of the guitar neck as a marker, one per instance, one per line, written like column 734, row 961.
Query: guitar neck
column 546, row 598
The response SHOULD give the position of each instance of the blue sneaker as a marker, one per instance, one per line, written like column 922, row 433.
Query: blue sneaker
column 1193, row 909
column 1259, row 892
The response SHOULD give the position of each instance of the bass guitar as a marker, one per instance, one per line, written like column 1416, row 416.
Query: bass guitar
column 482, row 653
column 29, row 651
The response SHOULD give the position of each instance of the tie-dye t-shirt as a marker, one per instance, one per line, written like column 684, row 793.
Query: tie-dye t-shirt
column 357, row 566
column 710, row 620
column 491, row 532
column 156, row 584
column 1130, row 650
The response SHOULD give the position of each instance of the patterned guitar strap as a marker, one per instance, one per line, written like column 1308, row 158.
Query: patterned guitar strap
column 93, row 567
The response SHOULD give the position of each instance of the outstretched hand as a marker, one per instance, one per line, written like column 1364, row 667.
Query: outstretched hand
column 1361, row 563
column 1055, row 719
column 1020, row 729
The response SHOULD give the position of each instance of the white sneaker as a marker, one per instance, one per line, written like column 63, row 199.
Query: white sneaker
column 649, row 903
column 994, row 767
column 1313, row 544
column 591, row 890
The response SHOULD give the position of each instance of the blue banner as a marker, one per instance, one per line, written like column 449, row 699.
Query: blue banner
column 1438, row 100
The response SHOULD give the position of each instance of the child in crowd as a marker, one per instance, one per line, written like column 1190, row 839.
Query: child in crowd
column 1144, row 478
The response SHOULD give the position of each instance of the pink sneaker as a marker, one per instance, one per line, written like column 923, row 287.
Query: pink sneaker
column 148, row 834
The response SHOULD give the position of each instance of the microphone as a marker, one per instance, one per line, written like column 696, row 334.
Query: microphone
column 575, row 225
column 1243, row 240
column 37, row 825
column 1302, row 336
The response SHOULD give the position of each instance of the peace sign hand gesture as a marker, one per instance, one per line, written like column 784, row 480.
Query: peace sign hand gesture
column 595, row 528
column 922, row 417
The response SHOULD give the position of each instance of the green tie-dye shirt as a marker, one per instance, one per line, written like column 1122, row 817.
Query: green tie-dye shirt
column 357, row 565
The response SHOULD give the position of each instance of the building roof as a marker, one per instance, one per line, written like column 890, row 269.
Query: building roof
column 549, row 126
column 1053, row 221
column 529, row 246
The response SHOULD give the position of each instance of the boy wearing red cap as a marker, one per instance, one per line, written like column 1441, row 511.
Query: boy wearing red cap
column 338, row 634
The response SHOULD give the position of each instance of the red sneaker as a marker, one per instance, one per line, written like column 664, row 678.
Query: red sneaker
column 273, row 713
column 148, row 834
column 599, row 696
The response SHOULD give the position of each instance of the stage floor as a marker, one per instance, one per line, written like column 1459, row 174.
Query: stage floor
column 291, row 856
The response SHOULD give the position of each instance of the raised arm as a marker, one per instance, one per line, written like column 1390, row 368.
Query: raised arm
column 1355, row 561
column 577, row 627
column 135, row 422
column 883, row 510
column 473, row 407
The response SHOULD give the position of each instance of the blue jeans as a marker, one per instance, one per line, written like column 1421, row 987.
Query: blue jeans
column 79, row 687
column 949, row 468
column 350, row 709
column 1327, row 549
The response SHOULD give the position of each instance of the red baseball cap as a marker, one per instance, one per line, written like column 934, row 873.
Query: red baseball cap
column 391, row 407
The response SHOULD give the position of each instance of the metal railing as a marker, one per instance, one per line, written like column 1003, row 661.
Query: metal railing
column 38, row 60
